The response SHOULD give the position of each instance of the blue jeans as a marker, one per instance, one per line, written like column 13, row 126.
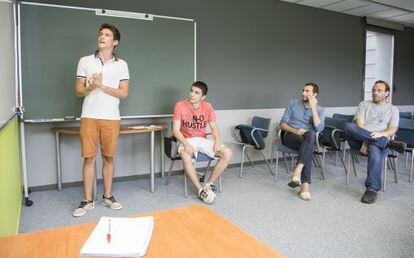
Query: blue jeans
column 377, row 151
column 305, row 144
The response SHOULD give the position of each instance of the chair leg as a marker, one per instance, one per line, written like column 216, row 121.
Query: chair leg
column 267, row 163
column 353, row 164
column 343, row 150
column 207, row 168
column 349, row 168
column 411, row 167
column 317, row 158
column 389, row 164
column 276, row 165
column 242, row 160
column 315, row 163
column 406, row 158
column 330, row 154
column 285, row 160
column 384, row 175
column 336, row 158
column 323, row 159
column 250, row 160
column 167, row 179
column 343, row 163
column 271, row 154
column 292, row 159
column 394, row 161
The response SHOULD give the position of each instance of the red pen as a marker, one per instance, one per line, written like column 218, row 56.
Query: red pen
column 108, row 235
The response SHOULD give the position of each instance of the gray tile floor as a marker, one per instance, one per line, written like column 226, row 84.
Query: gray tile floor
column 334, row 224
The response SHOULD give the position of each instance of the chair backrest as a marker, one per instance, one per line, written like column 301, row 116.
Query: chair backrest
column 171, row 147
column 408, row 115
column 406, row 135
column 348, row 118
column 405, row 122
column 338, row 123
column 251, row 137
column 330, row 137
column 261, row 122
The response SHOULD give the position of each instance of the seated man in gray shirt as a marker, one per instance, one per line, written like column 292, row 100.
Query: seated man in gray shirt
column 375, row 121
column 300, row 122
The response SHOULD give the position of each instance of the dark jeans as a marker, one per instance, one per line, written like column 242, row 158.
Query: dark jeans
column 377, row 151
column 305, row 144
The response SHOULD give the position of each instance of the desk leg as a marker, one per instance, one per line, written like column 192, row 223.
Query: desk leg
column 162, row 154
column 58, row 165
column 152, row 163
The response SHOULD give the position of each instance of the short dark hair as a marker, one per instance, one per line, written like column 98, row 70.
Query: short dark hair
column 315, row 87
column 202, row 86
column 115, row 31
column 387, row 87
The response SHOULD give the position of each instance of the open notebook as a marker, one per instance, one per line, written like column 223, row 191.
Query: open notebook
column 130, row 237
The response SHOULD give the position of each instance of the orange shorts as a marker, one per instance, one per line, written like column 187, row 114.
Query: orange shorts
column 95, row 131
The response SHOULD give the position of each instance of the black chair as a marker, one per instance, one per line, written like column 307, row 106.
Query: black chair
column 171, row 151
column 405, row 133
column 280, row 147
column 407, row 115
column 348, row 118
column 331, row 137
column 253, row 136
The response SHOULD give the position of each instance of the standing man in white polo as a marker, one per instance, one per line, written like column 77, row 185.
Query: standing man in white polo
column 102, row 79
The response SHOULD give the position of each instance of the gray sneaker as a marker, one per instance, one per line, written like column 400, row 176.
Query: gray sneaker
column 83, row 208
column 111, row 202
column 206, row 195
column 210, row 186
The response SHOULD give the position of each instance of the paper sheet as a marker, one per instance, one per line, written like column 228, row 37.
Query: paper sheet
column 130, row 237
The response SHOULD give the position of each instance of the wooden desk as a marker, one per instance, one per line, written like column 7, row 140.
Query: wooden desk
column 125, row 129
column 192, row 231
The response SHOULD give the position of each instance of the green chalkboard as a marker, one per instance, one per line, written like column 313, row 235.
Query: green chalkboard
column 159, row 53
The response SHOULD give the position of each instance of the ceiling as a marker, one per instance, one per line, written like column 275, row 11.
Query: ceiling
column 395, row 11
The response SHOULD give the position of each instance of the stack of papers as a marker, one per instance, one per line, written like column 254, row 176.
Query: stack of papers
column 144, row 127
column 130, row 237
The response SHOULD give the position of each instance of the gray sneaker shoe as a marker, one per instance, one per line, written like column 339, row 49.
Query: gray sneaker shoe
column 83, row 208
column 111, row 202
column 206, row 196
column 210, row 186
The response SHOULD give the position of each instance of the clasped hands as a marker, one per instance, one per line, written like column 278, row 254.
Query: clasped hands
column 95, row 81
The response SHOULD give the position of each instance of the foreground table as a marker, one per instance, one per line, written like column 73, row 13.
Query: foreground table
column 192, row 231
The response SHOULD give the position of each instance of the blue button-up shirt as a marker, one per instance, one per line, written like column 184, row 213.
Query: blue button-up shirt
column 298, row 116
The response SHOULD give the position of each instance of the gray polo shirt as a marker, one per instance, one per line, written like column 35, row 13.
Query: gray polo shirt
column 377, row 117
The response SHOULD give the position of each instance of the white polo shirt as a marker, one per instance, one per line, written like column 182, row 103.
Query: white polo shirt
column 98, row 104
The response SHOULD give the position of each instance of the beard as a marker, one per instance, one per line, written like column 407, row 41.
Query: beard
column 376, row 99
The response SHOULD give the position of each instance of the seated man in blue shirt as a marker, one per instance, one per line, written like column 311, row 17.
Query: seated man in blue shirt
column 300, row 122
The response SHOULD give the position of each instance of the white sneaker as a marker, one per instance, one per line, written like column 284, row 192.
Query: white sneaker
column 83, row 208
column 206, row 195
column 210, row 186
column 111, row 202
column 306, row 196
